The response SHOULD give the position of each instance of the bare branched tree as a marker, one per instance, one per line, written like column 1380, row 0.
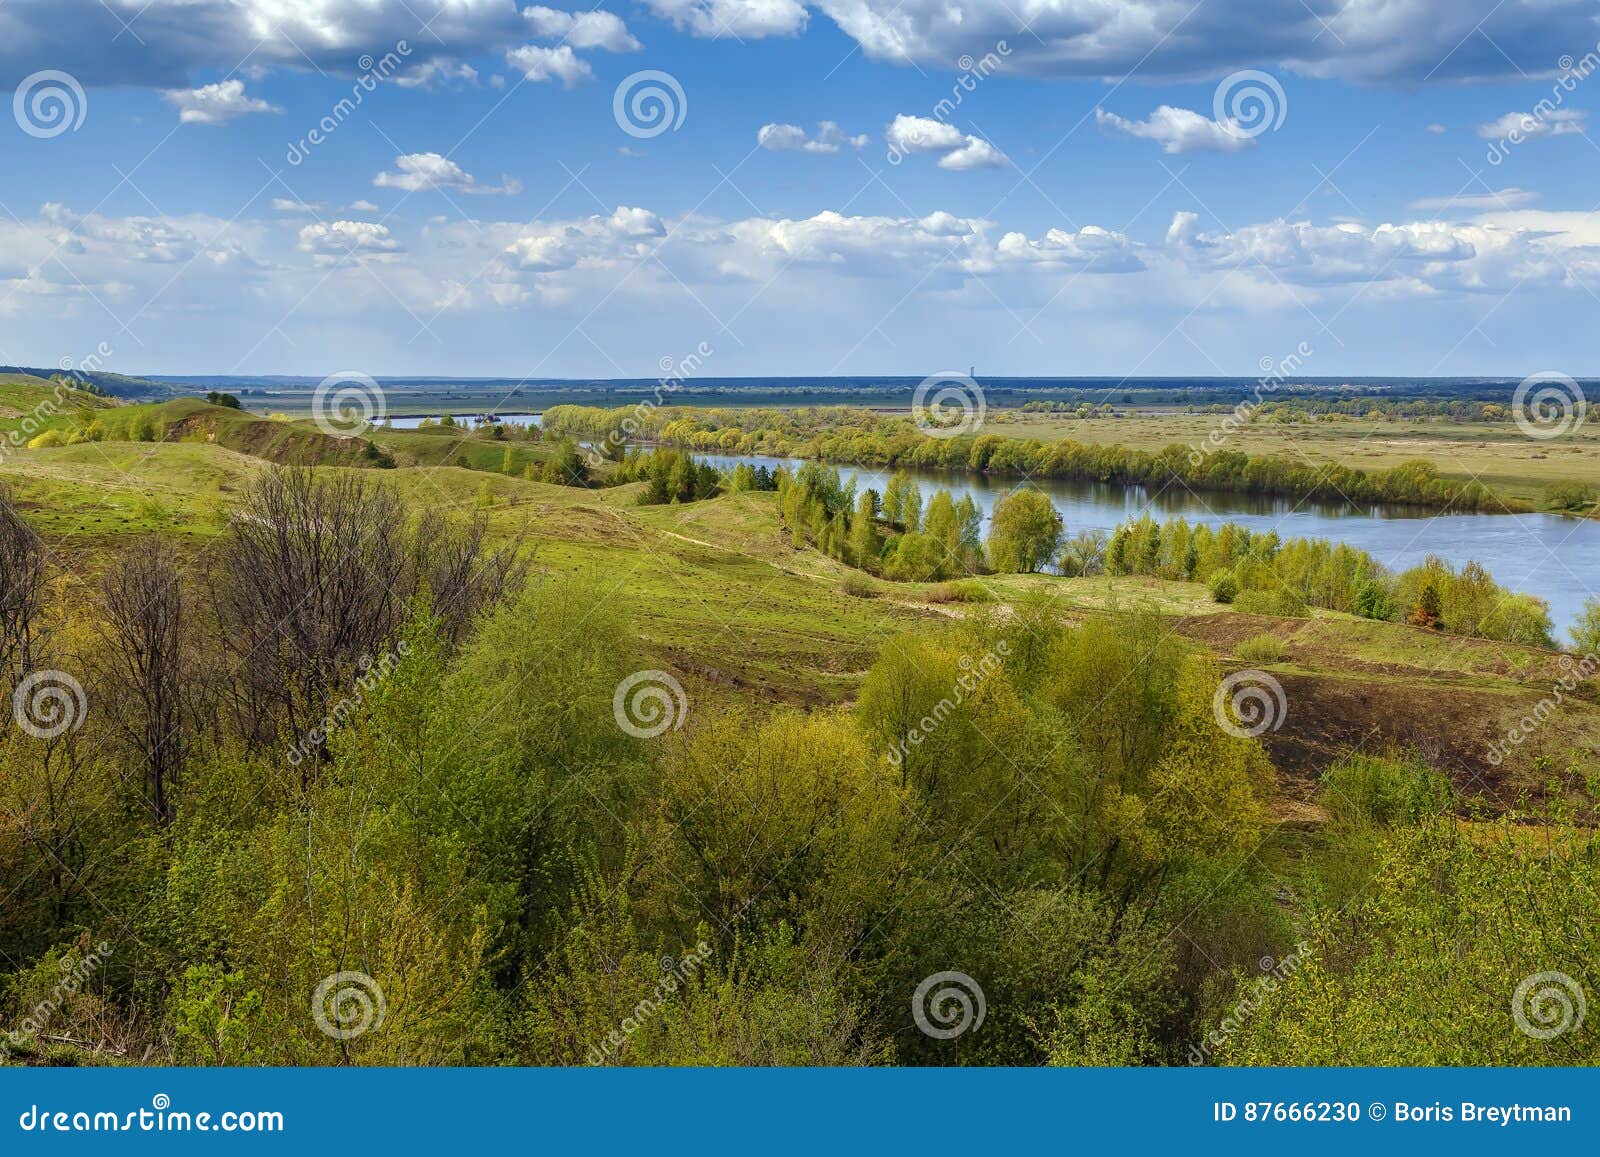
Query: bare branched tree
column 148, row 667
column 312, row 582
column 461, row 574
column 22, row 590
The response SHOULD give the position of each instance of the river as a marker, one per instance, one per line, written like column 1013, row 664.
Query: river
column 1555, row 558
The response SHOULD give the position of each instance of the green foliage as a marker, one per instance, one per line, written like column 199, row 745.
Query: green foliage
column 1426, row 965
column 1025, row 532
column 1567, row 496
column 1262, row 649
column 1370, row 789
column 670, row 476
column 1586, row 631
column 1224, row 587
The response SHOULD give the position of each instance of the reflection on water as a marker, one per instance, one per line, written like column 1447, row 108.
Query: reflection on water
column 468, row 420
column 1557, row 559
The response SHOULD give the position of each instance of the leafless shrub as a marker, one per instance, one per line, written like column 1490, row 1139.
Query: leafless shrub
column 147, row 667
column 460, row 573
column 312, row 580
column 22, row 590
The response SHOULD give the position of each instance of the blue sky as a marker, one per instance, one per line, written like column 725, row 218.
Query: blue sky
column 1412, row 191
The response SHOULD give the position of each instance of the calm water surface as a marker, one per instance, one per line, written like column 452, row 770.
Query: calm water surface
column 412, row 422
column 1557, row 559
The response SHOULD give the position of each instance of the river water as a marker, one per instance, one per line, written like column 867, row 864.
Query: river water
column 1555, row 558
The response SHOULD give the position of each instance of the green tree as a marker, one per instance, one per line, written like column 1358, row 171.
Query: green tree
column 1025, row 533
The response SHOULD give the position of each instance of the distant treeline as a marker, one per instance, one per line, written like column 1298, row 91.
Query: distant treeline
column 846, row 434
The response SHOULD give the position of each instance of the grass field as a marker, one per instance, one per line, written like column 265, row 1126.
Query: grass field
column 1498, row 455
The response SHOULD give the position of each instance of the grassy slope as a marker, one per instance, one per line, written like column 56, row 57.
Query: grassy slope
column 718, row 595
column 194, row 420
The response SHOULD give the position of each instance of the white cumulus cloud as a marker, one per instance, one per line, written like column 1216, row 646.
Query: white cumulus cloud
column 596, row 29
column 1178, row 130
column 829, row 138
column 215, row 104
column 415, row 172
column 538, row 63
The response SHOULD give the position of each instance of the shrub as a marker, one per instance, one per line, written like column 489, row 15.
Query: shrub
column 1374, row 790
column 1262, row 649
column 962, row 591
column 1567, row 496
column 859, row 586
column 1224, row 587
column 46, row 440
